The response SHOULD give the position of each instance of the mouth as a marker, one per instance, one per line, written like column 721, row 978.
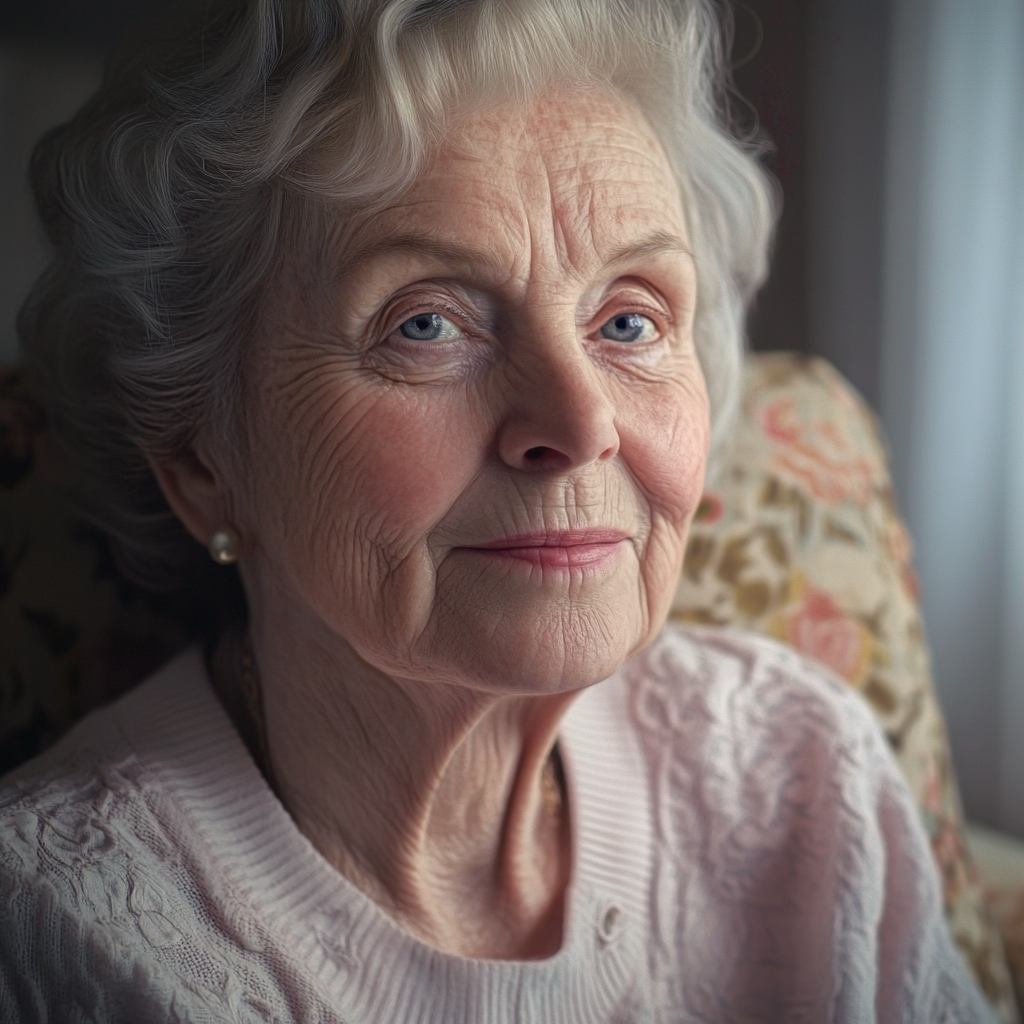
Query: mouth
column 560, row 549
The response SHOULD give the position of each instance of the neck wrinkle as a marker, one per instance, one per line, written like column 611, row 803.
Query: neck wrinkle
column 428, row 798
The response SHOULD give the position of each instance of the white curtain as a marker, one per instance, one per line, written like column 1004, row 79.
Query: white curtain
column 952, row 372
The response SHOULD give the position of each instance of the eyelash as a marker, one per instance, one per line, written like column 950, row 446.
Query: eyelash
column 659, row 317
column 457, row 317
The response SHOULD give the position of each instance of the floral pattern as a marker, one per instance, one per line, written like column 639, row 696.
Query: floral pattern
column 797, row 537
column 819, row 628
column 1006, row 905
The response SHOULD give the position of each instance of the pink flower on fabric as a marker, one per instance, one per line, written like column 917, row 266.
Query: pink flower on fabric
column 820, row 629
column 817, row 454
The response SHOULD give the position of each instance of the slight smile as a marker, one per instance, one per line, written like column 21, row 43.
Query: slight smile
column 567, row 549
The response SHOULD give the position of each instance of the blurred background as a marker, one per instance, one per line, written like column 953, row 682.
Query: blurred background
column 897, row 129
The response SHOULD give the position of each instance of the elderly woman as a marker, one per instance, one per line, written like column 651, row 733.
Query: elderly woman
column 421, row 318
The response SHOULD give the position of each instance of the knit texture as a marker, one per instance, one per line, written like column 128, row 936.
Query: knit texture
column 744, row 850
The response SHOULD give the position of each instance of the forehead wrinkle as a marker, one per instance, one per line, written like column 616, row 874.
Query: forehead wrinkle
column 544, row 230
column 580, row 204
column 575, row 219
column 428, row 248
column 543, row 210
column 553, row 208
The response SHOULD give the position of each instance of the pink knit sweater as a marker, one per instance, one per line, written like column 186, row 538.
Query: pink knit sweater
column 744, row 850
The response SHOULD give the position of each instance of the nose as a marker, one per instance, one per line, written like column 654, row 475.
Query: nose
column 561, row 416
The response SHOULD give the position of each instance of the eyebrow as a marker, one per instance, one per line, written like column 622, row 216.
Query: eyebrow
column 658, row 243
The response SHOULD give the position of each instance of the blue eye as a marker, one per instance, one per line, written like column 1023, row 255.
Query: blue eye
column 429, row 327
column 627, row 327
column 425, row 327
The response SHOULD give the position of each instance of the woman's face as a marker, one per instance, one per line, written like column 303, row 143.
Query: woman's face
column 478, row 461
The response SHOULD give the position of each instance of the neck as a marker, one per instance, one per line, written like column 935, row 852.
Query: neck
column 439, row 802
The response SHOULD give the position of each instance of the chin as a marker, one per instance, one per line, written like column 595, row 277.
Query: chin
column 562, row 650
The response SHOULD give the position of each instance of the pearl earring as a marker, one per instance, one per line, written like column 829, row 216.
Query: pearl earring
column 225, row 545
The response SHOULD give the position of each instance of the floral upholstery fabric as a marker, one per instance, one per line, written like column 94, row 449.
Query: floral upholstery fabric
column 797, row 537
column 1006, row 905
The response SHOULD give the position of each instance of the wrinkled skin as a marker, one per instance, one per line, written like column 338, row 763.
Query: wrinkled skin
column 414, row 675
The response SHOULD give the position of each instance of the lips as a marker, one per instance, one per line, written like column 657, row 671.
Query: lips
column 564, row 549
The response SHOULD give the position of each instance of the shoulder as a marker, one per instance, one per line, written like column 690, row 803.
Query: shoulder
column 791, row 853
column 747, row 739
column 84, row 859
column 81, row 828
column 737, row 725
column 723, row 655
column 703, row 680
column 57, row 821
column 51, row 807
column 99, row 809
column 109, row 902
column 96, row 781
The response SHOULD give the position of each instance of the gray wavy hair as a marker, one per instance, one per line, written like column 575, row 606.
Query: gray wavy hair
column 175, row 194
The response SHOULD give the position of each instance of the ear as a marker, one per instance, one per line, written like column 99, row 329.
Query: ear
column 197, row 494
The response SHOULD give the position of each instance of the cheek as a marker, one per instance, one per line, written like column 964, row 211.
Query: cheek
column 665, row 443
column 667, row 453
column 383, row 464
column 411, row 458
